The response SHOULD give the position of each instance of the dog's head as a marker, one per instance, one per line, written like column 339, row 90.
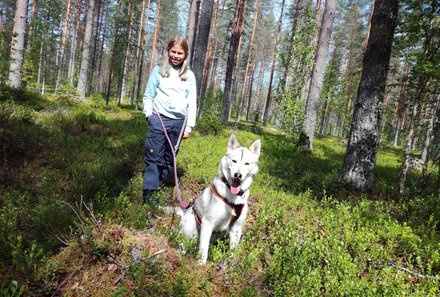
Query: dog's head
column 240, row 164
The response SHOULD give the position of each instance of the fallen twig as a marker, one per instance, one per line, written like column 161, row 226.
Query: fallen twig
column 127, row 267
column 413, row 272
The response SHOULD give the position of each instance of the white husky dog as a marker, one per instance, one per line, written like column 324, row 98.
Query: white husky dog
column 222, row 207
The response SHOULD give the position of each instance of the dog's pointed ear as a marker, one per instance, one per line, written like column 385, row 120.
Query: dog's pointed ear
column 256, row 147
column 232, row 143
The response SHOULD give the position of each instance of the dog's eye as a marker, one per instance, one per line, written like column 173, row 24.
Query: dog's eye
column 247, row 164
column 234, row 161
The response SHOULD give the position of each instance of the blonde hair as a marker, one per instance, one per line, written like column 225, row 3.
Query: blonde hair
column 165, row 65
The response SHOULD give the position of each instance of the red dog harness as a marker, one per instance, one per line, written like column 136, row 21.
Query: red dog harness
column 235, row 208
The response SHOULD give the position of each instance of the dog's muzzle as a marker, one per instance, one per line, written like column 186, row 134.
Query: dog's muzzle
column 236, row 183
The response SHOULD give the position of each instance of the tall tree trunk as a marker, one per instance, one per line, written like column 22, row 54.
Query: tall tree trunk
column 237, row 30
column 85, row 57
column 290, row 48
column 360, row 157
column 193, row 19
column 305, row 141
column 62, row 48
column 389, row 94
column 40, row 64
column 211, row 48
column 74, row 44
column 399, row 113
column 18, row 44
column 408, row 148
column 113, row 59
column 101, row 74
column 127, row 57
column 96, row 43
column 139, row 50
column 432, row 112
column 156, row 31
column 268, row 100
column 31, row 22
column 251, row 86
column 259, row 88
column 201, row 44
column 248, row 62
column 349, row 75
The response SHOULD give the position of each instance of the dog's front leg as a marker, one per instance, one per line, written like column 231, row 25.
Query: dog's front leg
column 205, row 237
column 234, row 236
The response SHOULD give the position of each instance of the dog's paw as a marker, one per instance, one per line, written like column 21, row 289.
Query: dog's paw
column 182, row 249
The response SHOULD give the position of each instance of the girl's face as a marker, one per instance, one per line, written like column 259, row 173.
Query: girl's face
column 176, row 55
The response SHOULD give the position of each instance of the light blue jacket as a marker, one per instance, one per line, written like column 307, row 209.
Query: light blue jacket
column 171, row 96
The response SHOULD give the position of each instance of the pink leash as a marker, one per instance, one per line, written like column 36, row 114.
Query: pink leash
column 182, row 204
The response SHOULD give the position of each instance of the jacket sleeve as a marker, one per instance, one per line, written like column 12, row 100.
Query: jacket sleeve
column 150, row 92
column 192, row 104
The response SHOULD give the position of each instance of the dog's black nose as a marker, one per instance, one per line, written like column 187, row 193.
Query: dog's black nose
column 237, row 175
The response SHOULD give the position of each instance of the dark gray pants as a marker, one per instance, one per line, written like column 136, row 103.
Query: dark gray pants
column 158, row 156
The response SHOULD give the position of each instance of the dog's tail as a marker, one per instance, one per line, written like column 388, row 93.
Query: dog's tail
column 172, row 209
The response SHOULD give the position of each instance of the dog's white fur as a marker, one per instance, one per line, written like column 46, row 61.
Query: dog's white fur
column 238, row 167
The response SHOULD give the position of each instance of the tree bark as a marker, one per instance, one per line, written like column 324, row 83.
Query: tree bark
column 96, row 42
column 74, row 44
column 115, row 40
column 399, row 113
column 62, row 48
column 156, row 31
column 268, row 100
column 31, row 22
column 290, row 47
column 360, row 157
column 237, row 30
column 85, row 57
column 127, row 57
column 305, row 141
column 211, row 49
column 193, row 19
column 143, row 23
column 429, row 138
column 18, row 44
column 248, row 62
column 201, row 44
column 408, row 148
column 251, row 88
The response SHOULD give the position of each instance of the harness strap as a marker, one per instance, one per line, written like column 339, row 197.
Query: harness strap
column 235, row 208
column 196, row 216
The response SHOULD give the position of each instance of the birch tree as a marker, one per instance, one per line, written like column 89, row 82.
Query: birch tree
column 18, row 44
column 305, row 141
column 360, row 157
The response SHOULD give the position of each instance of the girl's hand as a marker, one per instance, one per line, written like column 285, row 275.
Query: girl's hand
column 185, row 135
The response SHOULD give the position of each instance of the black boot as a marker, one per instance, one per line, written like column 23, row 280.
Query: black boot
column 150, row 197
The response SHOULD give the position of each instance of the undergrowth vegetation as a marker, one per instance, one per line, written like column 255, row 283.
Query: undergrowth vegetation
column 72, row 220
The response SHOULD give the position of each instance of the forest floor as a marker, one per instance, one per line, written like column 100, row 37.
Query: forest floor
column 72, row 221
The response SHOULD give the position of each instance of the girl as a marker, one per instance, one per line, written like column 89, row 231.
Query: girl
column 170, row 97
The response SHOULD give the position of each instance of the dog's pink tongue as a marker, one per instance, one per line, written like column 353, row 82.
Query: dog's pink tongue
column 235, row 190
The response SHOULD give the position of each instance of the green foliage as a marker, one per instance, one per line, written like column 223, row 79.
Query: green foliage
column 306, row 235
column 12, row 290
column 210, row 124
